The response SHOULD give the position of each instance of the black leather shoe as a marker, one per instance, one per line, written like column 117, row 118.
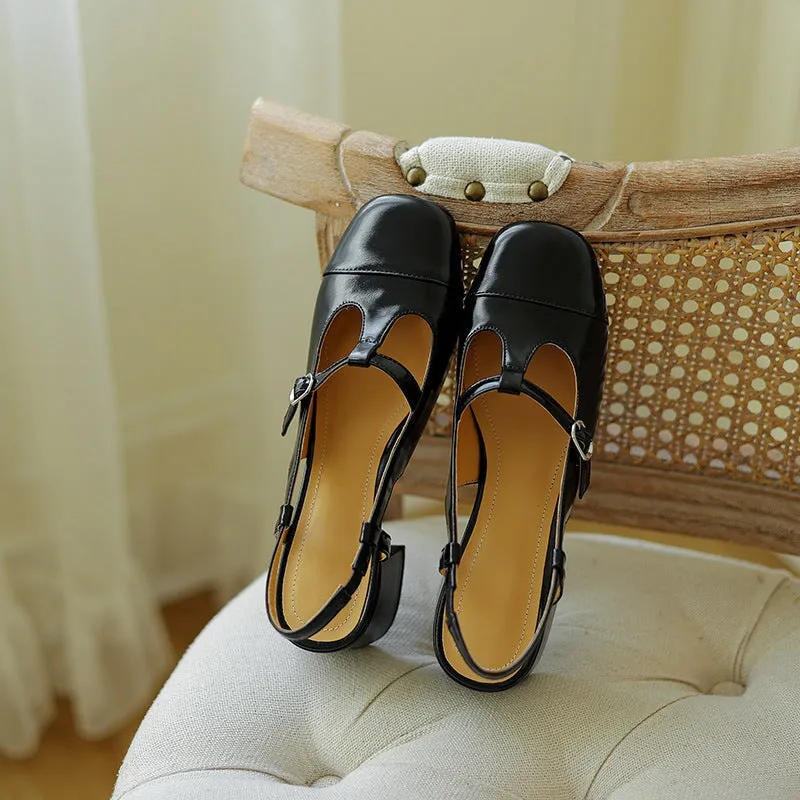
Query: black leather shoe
column 530, row 376
column 384, row 328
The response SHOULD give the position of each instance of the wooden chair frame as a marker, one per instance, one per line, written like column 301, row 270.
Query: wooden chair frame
column 628, row 212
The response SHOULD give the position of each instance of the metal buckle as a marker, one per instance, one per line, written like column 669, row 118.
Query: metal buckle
column 584, row 452
column 307, row 386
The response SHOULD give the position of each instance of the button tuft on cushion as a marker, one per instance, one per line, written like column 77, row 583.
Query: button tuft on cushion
column 727, row 689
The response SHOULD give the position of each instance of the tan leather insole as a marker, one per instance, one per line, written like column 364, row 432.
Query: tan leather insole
column 502, row 568
column 357, row 410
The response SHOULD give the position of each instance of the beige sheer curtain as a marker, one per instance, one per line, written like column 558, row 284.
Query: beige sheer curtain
column 144, row 299
column 153, row 312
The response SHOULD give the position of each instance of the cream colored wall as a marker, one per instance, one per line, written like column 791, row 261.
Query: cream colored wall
column 614, row 80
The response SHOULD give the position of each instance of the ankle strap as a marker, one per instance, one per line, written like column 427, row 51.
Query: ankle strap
column 580, row 438
column 581, row 442
column 306, row 385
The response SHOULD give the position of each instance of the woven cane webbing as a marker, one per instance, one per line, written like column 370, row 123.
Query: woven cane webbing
column 704, row 353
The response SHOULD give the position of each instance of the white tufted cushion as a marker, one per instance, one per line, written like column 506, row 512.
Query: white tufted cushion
column 638, row 696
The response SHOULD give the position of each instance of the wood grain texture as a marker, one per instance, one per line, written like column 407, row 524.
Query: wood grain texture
column 329, row 229
column 658, row 500
column 322, row 165
column 370, row 168
column 295, row 156
column 640, row 202
column 699, row 192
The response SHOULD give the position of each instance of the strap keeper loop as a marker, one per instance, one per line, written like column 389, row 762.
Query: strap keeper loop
column 284, row 518
column 451, row 555
column 369, row 534
column 371, row 538
column 559, row 561
column 559, row 567
column 361, row 561
column 510, row 381
column 361, row 354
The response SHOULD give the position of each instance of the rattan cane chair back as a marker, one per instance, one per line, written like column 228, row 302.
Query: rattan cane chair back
column 701, row 262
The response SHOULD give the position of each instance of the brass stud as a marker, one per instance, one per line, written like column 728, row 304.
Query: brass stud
column 474, row 191
column 538, row 191
column 416, row 176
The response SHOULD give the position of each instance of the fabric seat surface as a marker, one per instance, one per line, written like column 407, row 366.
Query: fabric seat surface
column 668, row 674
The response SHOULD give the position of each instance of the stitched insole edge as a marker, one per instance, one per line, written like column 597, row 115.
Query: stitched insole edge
column 501, row 571
column 357, row 411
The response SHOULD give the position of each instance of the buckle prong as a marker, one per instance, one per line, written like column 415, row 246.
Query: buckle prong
column 584, row 452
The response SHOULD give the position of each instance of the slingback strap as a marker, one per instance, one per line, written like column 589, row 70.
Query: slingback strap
column 373, row 543
column 558, row 561
column 581, row 443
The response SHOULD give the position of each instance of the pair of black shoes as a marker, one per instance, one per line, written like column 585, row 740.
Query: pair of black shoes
column 531, row 336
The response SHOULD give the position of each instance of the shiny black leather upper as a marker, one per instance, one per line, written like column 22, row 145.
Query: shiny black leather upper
column 400, row 255
column 539, row 284
column 398, row 234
